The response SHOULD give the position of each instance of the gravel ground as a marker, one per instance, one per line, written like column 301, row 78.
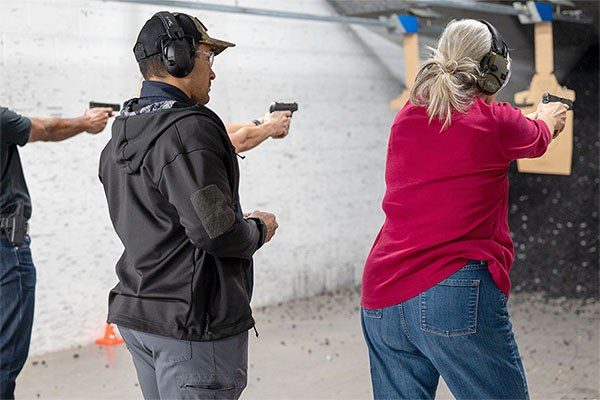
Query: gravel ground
column 313, row 348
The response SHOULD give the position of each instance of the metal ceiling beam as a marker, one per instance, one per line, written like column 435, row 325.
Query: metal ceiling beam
column 455, row 4
column 470, row 6
column 261, row 11
column 495, row 9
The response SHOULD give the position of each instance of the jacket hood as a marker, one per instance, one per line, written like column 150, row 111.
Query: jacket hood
column 136, row 129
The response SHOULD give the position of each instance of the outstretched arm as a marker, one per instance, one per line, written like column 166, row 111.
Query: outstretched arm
column 57, row 129
column 246, row 136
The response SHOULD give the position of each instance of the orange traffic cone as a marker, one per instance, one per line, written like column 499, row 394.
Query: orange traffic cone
column 110, row 337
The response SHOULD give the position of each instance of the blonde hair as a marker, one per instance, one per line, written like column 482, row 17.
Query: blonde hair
column 448, row 80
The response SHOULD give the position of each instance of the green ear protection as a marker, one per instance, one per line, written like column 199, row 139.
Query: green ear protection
column 495, row 66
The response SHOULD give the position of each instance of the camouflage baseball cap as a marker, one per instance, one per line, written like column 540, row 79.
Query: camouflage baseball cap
column 153, row 32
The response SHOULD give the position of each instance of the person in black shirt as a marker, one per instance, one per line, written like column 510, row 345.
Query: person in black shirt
column 17, row 272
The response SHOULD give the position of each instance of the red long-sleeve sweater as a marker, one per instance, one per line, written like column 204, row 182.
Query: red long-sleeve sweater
column 446, row 200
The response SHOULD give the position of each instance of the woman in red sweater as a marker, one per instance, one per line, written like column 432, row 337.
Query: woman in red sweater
column 436, row 281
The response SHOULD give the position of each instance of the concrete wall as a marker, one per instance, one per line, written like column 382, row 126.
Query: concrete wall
column 324, row 182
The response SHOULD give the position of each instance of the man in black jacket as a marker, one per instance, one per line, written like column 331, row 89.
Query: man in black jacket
column 171, row 178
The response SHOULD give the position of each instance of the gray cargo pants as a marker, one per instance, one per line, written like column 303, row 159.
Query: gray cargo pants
column 180, row 369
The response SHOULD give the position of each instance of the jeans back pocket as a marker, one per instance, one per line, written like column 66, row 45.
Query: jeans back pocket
column 450, row 307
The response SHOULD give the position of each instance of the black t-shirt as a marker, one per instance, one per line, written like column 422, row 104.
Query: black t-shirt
column 14, row 130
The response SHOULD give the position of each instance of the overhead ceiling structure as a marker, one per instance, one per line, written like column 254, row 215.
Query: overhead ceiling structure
column 423, row 8
column 575, row 29
column 362, row 12
column 580, row 27
column 575, row 23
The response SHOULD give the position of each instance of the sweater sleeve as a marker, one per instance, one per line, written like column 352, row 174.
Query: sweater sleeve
column 196, row 183
column 519, row 136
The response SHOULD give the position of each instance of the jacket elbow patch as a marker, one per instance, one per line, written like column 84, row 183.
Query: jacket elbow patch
column 213, row 210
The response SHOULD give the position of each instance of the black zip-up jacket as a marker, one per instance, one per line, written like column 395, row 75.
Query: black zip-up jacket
column 171, row 180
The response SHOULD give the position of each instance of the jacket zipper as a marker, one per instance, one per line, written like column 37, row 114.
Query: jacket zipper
column 207, row 327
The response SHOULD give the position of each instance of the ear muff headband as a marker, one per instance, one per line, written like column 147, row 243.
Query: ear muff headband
column 495, row 65
column 498, row 44
column 178, row 50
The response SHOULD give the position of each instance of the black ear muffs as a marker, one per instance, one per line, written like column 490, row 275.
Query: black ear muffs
column 178, row 50
column 494, row 67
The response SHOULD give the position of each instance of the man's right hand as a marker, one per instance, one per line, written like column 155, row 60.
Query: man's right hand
column 269, row 220
column 278, row 123
column 555, row 111
column 95, row 119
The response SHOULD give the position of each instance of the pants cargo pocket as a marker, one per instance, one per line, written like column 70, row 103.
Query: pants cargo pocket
column 205, row 387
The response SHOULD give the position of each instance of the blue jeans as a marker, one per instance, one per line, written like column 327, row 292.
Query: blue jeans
column 17, row 296
column 459, row 329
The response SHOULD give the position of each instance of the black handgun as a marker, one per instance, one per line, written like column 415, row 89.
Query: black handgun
column 115, row 107
column 17, row 224
column 550, row 98
column 277, row 106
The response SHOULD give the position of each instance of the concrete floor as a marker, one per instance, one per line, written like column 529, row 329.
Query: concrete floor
column 314, row 348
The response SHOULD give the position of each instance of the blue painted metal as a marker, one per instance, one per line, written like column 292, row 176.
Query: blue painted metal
column 410, row 23
column 545, row 11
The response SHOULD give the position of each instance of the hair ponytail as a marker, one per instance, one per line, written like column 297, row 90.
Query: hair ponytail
column 447, row 81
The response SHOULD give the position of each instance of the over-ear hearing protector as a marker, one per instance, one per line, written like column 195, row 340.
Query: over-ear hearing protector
column 494, row 67
column 178, row 50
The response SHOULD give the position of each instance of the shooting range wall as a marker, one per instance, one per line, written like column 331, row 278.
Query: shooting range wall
column 324, row 182
column 554, row 219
